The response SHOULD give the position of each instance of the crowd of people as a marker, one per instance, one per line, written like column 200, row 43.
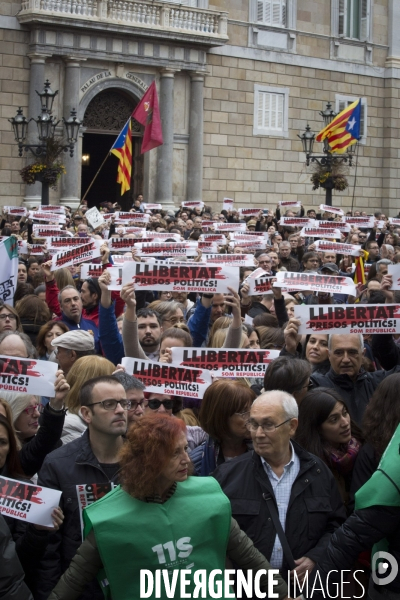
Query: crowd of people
column 270, row 471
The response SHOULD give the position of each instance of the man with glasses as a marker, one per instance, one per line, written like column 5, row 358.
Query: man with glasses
column 282, row 483
column 87, row 466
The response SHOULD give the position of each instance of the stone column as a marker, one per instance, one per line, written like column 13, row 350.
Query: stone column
column 195, row 150
column 70, row 190
column 36, row 83
column 165, row 152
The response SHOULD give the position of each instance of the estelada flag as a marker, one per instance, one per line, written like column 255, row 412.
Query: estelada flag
column 344, row 130
column 123, row 149
column 147, row 113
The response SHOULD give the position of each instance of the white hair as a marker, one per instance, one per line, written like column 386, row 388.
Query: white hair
column 360, row 340
column 18, row 402
column 287, row 401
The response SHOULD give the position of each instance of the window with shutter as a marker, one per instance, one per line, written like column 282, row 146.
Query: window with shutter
column 271, row 12
column 343, row 101
column 271, row 111
column 354, row 19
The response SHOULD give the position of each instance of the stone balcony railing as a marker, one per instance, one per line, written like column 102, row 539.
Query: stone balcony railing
column 145, row 18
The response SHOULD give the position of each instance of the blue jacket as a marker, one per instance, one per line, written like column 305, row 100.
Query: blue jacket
column 85, row 325
column 198, row 324
column 110, row 337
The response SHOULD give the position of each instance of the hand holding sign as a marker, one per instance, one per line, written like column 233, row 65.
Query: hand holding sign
column 292, row 337
column 57, row 516
column 61, row 388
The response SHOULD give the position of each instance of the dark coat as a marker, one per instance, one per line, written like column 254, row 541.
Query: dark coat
column 362, row 530
column 34, row 451
column 315, row 509
column 12, row 586
column 64, row 469
column 356, row 393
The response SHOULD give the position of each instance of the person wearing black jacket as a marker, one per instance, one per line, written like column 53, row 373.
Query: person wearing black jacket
column 12, row 586
column 309, row 504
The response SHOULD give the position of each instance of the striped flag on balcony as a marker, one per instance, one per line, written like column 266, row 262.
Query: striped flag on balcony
column 123, row 149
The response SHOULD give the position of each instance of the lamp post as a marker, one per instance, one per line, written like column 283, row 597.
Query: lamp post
column 327, row 159
column 46, row 125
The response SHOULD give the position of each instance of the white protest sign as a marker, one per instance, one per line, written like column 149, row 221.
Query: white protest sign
column 341, row 226
column 289, row 204
column 230, row 226
column 366, row 222
column 52, row 208
column 148, row 206
column 27, row 376
column 208, row 247
column 394, row 220
column 226, row 362
column 22, row 247
column 248, row 320
column 122, row 244
column 47, row 216
column 297, row 222
column 349, row 318
column 44, row 231
column 192, row 204
column 253, row 244
column 320, row 232
column 155, row 235
column 94, row 217
column 66, row 242
column 218, row 238
column 184, row 277
column 128, row 230
column 237, row 260
column 121, row 259
column 76, row 255
column 260, row 285
column 166, row 248
column 16, row 211
column 126, row 217
column 394, row 271
column 249, row 212
column 315, row 283
column 227, row 204
column 163, row 378
column 327, row 246
column 331, row 209
column 116, row 278
column 91, row 270
column 27, row 502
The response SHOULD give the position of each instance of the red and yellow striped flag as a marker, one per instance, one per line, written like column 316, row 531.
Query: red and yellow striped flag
column 123, row 149
column 359, row 275
column 344, row 130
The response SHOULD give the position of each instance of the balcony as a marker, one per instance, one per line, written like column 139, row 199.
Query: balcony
column 145, row 19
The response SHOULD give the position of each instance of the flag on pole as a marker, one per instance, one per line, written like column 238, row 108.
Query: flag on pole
column 8, row 269
column 344, row 130
column 123, row 149
column 147, row 113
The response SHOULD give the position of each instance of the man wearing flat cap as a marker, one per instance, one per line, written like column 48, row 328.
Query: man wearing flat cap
column 72, row 345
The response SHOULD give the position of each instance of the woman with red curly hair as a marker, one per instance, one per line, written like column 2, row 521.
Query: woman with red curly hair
column 159, row 518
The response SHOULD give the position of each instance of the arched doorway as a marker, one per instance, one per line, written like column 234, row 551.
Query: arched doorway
column 104, row 118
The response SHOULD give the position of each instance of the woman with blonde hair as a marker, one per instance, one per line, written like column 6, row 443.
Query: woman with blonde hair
column 83, row 369
column 63, row 278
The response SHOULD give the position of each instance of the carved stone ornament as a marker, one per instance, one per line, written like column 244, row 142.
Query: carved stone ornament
column 109, row 111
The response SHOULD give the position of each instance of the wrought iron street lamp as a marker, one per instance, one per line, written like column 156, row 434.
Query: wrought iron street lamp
column 46, row 125
column 327, row 159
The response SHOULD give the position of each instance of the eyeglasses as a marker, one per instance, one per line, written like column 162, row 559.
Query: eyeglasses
column 31, row 409
column 112, row 404
column 134, row 405
column 268, row 428
column 308, row 386
column 155, row 404
column 243, row 415
column 11, row 317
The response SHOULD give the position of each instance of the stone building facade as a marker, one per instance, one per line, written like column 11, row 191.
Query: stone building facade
column 238, row 80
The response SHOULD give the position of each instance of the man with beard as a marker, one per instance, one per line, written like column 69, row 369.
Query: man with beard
column 149, row 331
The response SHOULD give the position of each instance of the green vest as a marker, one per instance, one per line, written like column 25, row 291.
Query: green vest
column 383, row 488
column 190, row 531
